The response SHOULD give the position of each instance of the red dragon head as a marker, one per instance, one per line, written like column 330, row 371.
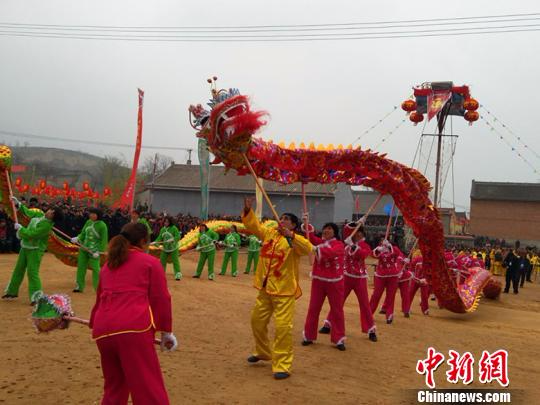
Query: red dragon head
column 228, row 126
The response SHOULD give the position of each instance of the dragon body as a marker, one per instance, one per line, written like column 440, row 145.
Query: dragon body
column 229, row 128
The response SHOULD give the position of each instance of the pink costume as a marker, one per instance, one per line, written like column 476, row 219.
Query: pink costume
column 355, row 279
column 403, row 283
column 386, row 278
column 326, row 281
column 132, row 303
column 420, row 282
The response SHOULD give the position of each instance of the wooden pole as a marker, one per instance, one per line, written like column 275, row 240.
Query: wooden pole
column 389, row 222
column 276, row 216
column 8, row 177
column 364, row 217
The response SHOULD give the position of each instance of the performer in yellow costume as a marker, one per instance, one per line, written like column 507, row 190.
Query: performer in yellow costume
column 276, row 278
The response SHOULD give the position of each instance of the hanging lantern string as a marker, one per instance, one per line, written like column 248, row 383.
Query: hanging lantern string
column 512, row 147
column 495, row 119
column 379, row 122
column 390, row 133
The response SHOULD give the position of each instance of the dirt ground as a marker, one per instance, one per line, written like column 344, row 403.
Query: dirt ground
column 211, row 320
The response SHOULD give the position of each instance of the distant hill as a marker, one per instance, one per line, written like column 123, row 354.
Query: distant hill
column 59, row 165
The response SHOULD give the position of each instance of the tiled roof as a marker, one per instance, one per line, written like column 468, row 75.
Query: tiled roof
column 186, row 177
column 527, row 192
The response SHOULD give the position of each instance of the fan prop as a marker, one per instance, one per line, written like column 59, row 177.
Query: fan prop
column 54, row 312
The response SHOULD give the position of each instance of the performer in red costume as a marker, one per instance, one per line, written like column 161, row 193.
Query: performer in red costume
column 419, row 282
column 356, row 279
column 404, row 283
column 132, row 303
column 326, row 281
column 386, row 278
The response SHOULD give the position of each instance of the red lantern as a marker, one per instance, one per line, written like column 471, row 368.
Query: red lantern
column 42, row 184
column 106, row 192
column 25, row 188
column 95, row 196
column 471, row 105
column 471, row 116
column 73, row 193
column 86, row 186
column 65, row 185
column 408, row 106
column 416, row 117
column 18, row 181
column 35, row 191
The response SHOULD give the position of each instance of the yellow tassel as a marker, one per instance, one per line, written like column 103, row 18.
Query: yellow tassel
column 302, row 145
column 311, row 146
column 292, row 146
column 340, row 147
column 320, row 147
column 330, row 147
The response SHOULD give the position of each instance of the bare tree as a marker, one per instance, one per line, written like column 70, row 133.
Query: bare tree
column 162, row 163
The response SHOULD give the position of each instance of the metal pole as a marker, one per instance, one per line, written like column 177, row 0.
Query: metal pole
column 437, row 171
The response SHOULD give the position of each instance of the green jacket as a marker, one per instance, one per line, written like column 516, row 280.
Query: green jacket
column 35, row 235
column 172, row 234
column 232, row 242
column 254, row 244
column 206, row 241
column 94, row 236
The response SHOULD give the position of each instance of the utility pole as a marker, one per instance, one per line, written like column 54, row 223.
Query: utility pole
column 189, row 156
column 153, row 181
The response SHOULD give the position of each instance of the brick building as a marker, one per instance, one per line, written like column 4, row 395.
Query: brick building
column 509, row 211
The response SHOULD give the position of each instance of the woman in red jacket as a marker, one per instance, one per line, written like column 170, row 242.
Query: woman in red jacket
column 356, row 279
column 326, row 281
column 132, row 303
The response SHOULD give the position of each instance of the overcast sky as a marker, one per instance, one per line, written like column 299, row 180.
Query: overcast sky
column 323, row 91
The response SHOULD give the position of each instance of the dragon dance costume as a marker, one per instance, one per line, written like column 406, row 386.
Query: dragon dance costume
column 254, row 247
column 170, row 235
column 276, row 278
column 386, row 278
column 232, row 244
column 326, row 281
column 420, row 282
column 33, row 244
column 94, row 236
column 208, row 252
column 356, row 279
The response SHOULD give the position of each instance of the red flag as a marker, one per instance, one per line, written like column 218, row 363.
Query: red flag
column 126, row 200
column 436, row 101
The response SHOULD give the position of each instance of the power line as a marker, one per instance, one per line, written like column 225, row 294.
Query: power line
column 298, row 28
column 281, row 25
column 268, row 39
column 54, row 138
column 271, row 36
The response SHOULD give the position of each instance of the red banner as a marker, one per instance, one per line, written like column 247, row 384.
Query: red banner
column 126, row 200
column 436, row 101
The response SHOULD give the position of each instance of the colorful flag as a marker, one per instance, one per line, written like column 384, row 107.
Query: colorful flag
column 128, row 196
column 436, row 101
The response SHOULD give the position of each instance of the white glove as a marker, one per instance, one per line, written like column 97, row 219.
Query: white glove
column 153, row 243
column 349, row 241
column 406, row 260
column 15, row 201
column 17, row 226
column 386, row 243
column 168, row 342
column 95, row 255
column 74, row 240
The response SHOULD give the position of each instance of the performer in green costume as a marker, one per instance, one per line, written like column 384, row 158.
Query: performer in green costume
column 94, row 237
column 232, row 244
column 207, row 248
column 33, row 244
column 168, row 237
column 136, row 217
column 254, row 246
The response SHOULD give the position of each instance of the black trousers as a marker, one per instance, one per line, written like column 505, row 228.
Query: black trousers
column 512, row 276
column 524, row 275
